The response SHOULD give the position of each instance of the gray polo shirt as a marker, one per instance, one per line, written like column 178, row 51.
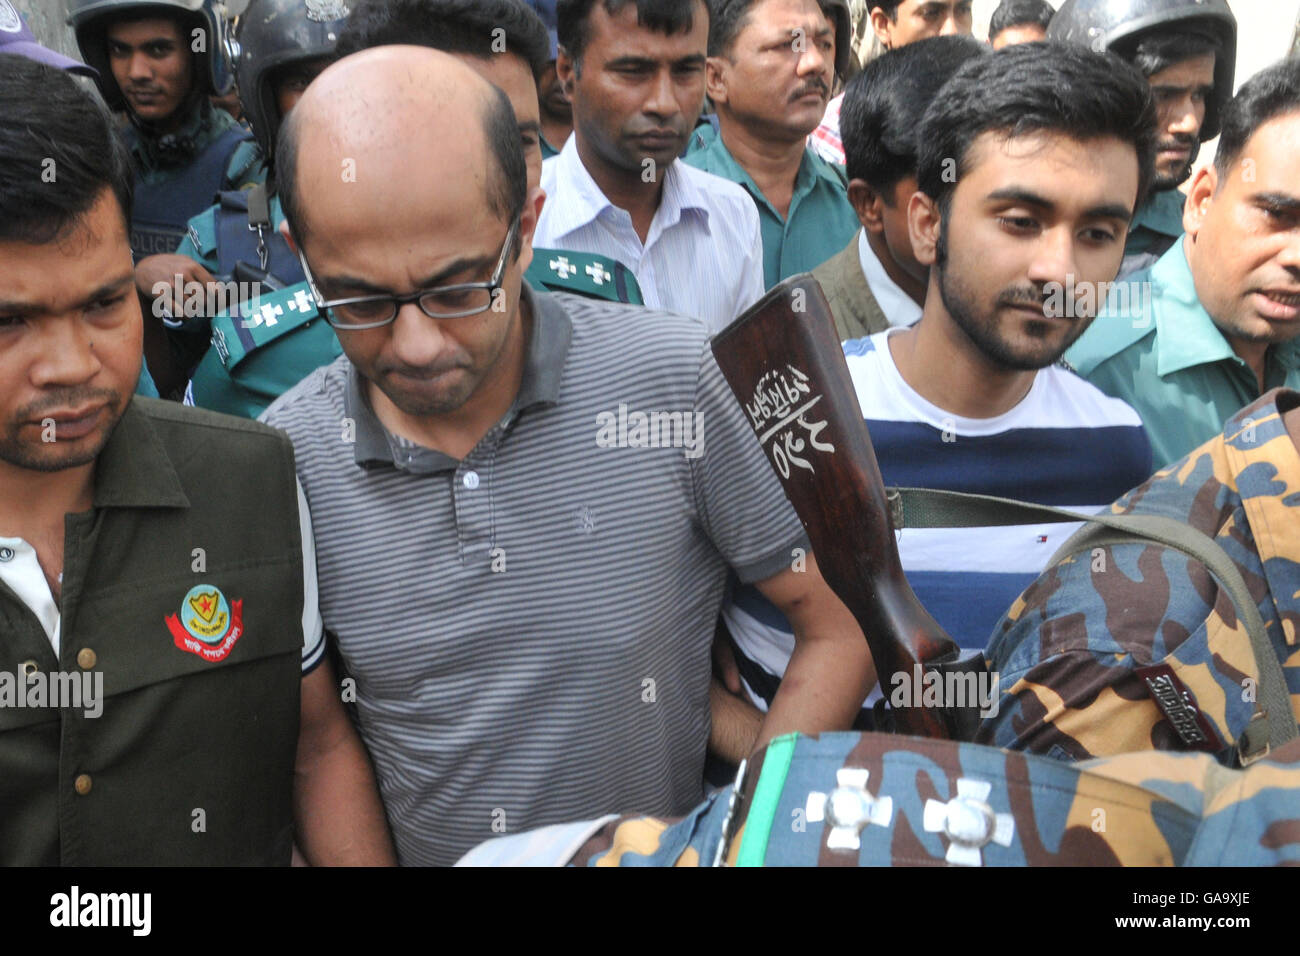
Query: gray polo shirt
column 529, row 628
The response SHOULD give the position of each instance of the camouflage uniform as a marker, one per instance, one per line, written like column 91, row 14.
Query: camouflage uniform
column 845, row 799
column 1134, row 646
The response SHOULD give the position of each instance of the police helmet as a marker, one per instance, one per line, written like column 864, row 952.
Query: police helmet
column 1119, row 25
column 274, row 34
column 213, row 72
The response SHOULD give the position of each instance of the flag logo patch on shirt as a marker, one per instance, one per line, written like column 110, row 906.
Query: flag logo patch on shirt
column 208, row 625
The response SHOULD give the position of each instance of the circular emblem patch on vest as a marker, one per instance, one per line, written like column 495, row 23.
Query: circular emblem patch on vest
column 208, row 625
column 10, row 22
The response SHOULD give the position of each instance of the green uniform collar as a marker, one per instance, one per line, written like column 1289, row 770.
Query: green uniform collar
column 714, row 157
column 133, row 470
column 547, row 352
column 1162, row 213
column 1186, row 336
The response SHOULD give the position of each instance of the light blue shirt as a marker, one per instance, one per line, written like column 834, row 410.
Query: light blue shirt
column 1157, row 348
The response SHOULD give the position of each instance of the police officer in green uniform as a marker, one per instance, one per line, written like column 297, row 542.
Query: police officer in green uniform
column 272, row 336
column 1187, row 49
column 164, row 696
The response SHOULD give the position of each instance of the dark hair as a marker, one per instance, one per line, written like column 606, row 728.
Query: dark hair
column 889, row 6
column 1269, row 94
column 506, row 188
column 1160, row 49
column 452, row 26
column 59, row 151
column 662, row 16
column 882, row 103
column 1028, row 88
column 726, row 19
column 1018, row 13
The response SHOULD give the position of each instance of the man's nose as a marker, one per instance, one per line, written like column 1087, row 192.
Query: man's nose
column 67, row 354
column 417, row 339
column 662, row 102
column 140, row 68
column 1053, row 256
column 1186, row 119
column 812, row 61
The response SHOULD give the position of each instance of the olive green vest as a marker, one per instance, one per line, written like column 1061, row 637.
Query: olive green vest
column 183, row 587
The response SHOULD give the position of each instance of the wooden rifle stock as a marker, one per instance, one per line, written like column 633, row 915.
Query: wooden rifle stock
column 783, row 360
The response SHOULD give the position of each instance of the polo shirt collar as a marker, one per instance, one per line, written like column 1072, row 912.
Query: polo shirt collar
column 539, row 385
column 1186, row 336
column 583, row 201
column 134, row 469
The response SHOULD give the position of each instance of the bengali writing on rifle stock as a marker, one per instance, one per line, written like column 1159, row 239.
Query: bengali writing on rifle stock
column 783, row 413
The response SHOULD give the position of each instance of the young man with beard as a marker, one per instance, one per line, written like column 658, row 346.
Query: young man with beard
column 771, row 67
column 1216, row 322
column 1019, row 187
column 1187, row 50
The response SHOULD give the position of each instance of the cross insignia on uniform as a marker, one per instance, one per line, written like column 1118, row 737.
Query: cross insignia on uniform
column 562, row 267
column 969, row 822
column 598, row 273
column 848, row 809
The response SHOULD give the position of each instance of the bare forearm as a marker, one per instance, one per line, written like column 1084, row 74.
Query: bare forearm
column 736, row 723
column 339, row 819
column 824, row 685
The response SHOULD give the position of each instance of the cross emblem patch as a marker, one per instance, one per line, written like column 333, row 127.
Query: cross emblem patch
column 562, row 267
column 598, row 273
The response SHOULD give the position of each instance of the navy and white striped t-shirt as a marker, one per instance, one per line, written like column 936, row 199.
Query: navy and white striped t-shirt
column 1065, row 444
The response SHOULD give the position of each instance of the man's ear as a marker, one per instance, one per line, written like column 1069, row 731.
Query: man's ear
column 1200, row 197
column 923, row 222
column 288, row 236
column 882, row 26
column 528, row 226
column 867, row 204
column 715, row 78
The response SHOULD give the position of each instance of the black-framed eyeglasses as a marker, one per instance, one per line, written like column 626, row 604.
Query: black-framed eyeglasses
column 443, row 302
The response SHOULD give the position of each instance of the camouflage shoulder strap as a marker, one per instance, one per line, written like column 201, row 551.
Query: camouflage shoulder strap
column 1273, row 725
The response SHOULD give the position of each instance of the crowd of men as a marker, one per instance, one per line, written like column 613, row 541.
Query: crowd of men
column 370, row 452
